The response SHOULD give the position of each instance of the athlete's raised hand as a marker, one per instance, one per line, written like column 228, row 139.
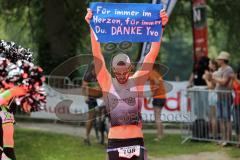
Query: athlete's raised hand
column 26, row 107
column 89, row 15
column 164, row 17
column 19, row 91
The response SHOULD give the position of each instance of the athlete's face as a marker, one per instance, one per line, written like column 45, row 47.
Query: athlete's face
column 122, row 74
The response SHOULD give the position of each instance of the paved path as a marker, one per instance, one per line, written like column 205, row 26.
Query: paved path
column 54, row 128
column 72, row 130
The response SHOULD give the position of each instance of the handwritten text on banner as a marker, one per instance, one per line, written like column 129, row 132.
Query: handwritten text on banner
column 134, row 22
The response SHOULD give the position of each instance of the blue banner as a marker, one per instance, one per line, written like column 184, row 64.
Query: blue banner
column 133, row 22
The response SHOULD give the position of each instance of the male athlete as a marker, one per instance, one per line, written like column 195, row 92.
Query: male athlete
column 123, row 96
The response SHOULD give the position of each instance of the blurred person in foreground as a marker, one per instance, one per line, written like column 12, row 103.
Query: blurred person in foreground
column 159, row 98
column 212, row 96
column 223, row 86
column 236, row 88
column 7, row 121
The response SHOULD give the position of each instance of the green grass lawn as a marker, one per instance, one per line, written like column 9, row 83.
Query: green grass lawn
column 35, row 145
column 171, row 146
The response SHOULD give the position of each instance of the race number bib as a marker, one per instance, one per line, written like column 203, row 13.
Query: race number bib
column 7, row 117
column 129, row 152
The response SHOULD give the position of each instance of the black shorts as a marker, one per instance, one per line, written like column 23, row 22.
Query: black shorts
column 117, row 143
column 92, row 103
column 159, row 102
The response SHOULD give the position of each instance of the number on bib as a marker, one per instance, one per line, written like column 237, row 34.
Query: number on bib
column 129, row 152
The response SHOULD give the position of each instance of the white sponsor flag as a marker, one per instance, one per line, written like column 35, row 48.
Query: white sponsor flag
column 168, row 5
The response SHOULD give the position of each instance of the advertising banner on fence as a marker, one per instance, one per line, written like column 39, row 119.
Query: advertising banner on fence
column 134, row 22
column 176, row 109
column 73, row 107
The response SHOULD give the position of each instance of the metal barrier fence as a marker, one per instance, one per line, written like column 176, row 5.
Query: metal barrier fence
column 213, row 116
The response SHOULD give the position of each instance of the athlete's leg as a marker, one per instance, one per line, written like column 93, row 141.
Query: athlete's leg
column 113, row 155
column 237, row 123
column 89, row 124
column 96, row 125
column 157, row 111
column 158, row 104
column 8, row 141
column 213, row 122
column 102, row 125
column 143, row 155
column 1, row 139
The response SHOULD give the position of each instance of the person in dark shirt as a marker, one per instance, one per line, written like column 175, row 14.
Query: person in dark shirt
column 90, row 82
column 199, row 71
column 200, row 66
column 199, row 98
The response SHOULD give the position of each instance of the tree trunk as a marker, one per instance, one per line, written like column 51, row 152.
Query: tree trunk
column 56, row 45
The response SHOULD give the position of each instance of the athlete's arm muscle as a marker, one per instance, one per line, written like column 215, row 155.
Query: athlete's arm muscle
column 141, row 76
column 10, row 93
column 103, row 76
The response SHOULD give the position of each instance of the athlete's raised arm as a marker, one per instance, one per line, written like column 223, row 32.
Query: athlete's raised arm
column 9, row 94
column 141, row 76
column 103, row 76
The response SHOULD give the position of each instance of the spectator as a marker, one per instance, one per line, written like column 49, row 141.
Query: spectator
column 200, row 66
column 236, row 88
column 102, row 121
column 159, row 98
column 198, row 84
column 89, row 83
column 222, row 80
column 212, row 96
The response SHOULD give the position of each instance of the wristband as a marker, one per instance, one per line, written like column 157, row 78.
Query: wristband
column 5, row 96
